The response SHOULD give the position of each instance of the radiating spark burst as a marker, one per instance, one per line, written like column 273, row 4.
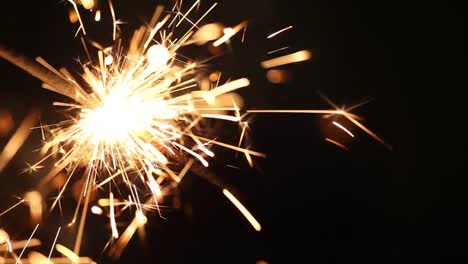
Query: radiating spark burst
column 135, row 113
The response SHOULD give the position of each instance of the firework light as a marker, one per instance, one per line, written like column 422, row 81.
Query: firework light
column 136, row 121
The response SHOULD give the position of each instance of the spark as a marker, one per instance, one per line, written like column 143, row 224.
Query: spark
column 299, row 56
column 25, row 246
column 18, row 138
column 88, row 4
column 53, row 244
column 66, row 252
column 224, row 117
column 243, row 34
column 342, row 128
column 351, row 117
column 279, row 32
column 305, row 111
column 32, row 168
column 77, row 12
column 114, row 21
column 368, row 131
column 12, row 207
column 337, row 143
column 35, row 260
column 255, row 224
column 97, row 18
column 131, row 117
column 184, row 15
column 115, row 233
column 138, row 221
column 228, row 33
column 278, row 50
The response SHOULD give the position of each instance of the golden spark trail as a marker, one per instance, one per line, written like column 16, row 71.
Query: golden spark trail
column 279, row 32
column 53, row 244
column 340, row 126
column 25, row 246
column 255, row 224
column 299, row 56
column 12, row 207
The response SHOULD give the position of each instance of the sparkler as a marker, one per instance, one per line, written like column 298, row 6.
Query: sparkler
column 135, row 118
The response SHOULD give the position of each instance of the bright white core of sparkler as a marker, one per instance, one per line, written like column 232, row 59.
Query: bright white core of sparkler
column 120, row 116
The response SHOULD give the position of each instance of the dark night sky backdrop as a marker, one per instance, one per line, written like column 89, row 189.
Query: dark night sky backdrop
column 317, row 203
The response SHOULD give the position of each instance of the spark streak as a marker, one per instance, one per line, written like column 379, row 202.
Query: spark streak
column 255, row 224
column 340, row 126
column 25, row 246
column 53, row 244
column 279, row 32
column 12, row 207
column 337, row 143
column 299, row 56
column 115, row 233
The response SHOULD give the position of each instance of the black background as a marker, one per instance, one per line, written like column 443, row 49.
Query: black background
column 316, row 202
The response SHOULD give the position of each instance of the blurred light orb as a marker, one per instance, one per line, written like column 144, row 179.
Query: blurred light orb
column 207, row 33
column 87, row 4
column 4, row 238
column 277, row 76
column 108, row 60
column 158, row 56
column 97, row 210
column 73, row 16
column 6, row 122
